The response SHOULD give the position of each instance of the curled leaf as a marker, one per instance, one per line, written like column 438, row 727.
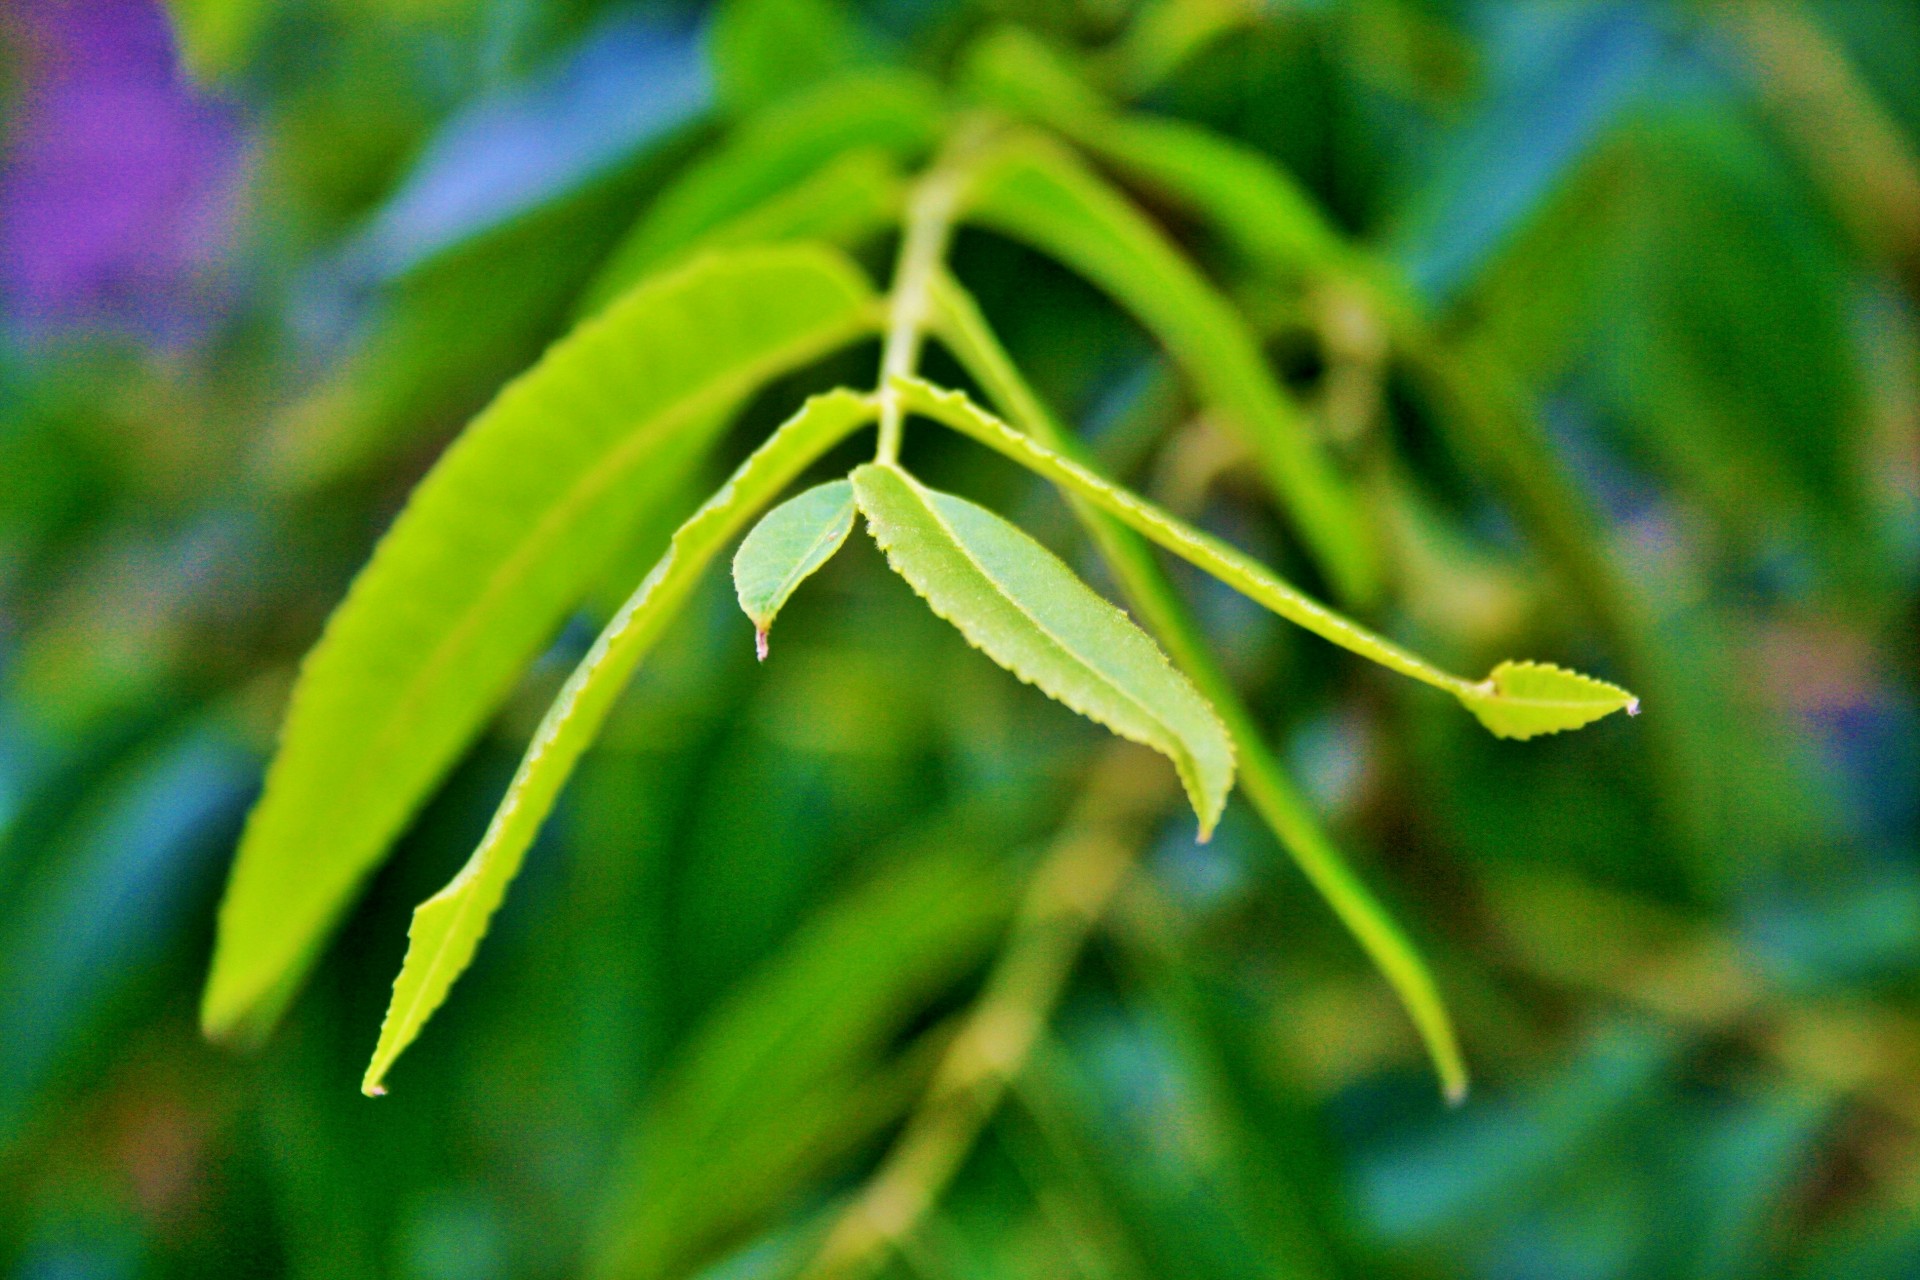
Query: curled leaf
column 786, row 548
column 1527, row 699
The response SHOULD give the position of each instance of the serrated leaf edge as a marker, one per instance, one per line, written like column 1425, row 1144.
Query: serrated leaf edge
column 1184, row 765
column 1489, row 690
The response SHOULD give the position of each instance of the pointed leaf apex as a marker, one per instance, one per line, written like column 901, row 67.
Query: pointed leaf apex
column 1527, row 699
column 786, row 548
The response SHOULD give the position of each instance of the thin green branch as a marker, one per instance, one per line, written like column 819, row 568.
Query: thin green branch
column 1229, row 564
column 931, row 209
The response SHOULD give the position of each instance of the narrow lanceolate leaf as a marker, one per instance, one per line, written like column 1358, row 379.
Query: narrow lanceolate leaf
column 1527, row 699
column 1532, row 699
column 1039, row 193
column 1253, row 203
column 891, row 112
column 448, row 926
column 848, row 201
column 786, row 548
column 1018, row 603
column 802, row 1063
column 499, row 541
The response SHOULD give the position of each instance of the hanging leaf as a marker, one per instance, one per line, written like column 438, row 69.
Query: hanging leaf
column 789, row 544
column 1020, row 605
column 1260, row 584
column 499, row 541
column 448, row 926
column 1527, row 699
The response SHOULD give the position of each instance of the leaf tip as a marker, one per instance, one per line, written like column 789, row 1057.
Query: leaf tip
column 760, row 646
column 1455, row 1091
column 374, row 1089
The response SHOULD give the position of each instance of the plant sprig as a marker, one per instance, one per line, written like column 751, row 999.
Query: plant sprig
column 495, row 548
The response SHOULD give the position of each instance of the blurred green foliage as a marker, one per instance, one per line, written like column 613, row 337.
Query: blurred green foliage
column 1614, row 324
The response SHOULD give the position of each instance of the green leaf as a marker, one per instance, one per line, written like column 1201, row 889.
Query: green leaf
column 1229, row 564
column 793, row 1072
column 1040, row 194
column 786, row 548
column 893, row 113
column 1020, row 605
column 1527, row 699
column 764, row 50
column 216, row 36
column 500, row 540
column 448, row 926
column 1254, row 204
column 845, row 202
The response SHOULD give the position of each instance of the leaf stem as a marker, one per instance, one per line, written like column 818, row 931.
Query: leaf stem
column 932, row 207
column 1229, row 564
column 1071, row 890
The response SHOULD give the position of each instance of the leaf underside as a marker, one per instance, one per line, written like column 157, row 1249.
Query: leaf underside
column 1023, row 607
column 1527, row 699
column 447, row 927
column 480, row 569
column 787, row 547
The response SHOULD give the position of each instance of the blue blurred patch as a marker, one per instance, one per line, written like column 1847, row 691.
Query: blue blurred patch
column 626, row 84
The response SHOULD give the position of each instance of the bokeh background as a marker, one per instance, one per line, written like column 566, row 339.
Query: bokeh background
column 243, row 304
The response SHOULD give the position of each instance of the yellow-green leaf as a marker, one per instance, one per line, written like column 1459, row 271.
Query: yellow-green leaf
column 502, row 538
column 786, row 548
column 1020, row 605
column 1527, row 699
column 448, row 926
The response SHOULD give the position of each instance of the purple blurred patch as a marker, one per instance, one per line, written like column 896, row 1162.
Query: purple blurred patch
column 119, row 191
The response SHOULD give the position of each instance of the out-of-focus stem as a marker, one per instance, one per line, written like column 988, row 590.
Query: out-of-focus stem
column 1868, row 169
column 1070, row 891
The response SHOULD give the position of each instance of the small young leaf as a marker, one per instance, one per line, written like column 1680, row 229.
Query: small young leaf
column 789, row 544
column 1527, row 699
column 448, row 926
column 1018, row 603
column 505, row 534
